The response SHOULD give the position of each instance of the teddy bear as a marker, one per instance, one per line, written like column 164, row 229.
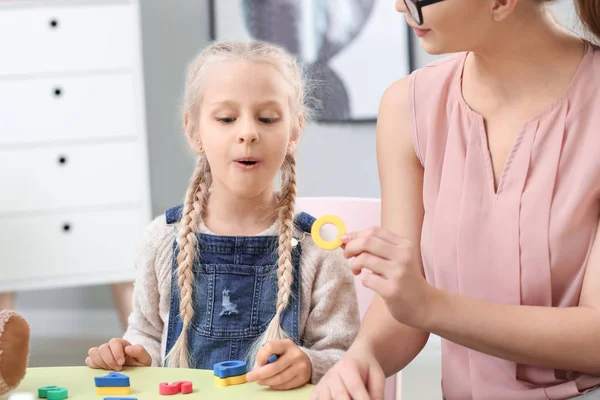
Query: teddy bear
column 14, row 349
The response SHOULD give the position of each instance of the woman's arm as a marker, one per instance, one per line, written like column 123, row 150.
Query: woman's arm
column 551, row 337
column 383, row 342
column 401, row 179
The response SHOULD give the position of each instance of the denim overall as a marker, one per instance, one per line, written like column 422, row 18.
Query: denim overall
column 234, row 294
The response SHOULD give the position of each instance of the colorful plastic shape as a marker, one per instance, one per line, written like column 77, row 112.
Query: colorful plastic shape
column 167, row 389
column 315, row 232
column 272, row 358
column 114, row 379
column 53, row 393
column 113, row 390
column 230, row 381
column 226, row 369
column 43, row 391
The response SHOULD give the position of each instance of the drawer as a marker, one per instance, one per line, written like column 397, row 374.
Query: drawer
column 53, row 246
column 67, row 38
column 44, row 110
column 54, row 178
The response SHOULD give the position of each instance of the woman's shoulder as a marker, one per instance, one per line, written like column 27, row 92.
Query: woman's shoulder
column 426, row 87
column 436, row 78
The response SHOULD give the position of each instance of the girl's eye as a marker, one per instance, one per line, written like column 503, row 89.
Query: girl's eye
column 268, row 120
column 226, row 120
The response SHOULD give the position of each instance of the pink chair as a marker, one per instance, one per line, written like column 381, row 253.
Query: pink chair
column 357, row 214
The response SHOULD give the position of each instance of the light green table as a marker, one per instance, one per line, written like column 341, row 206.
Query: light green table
column 144, row 384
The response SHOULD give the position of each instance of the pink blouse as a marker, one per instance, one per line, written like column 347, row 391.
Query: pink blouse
column 526, row 243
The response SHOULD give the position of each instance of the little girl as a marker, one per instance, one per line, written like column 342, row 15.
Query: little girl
column 233, row 273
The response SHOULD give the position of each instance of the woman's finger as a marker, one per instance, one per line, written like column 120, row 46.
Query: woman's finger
column 338, row 389
column 379, row 232
column 373, row 263
column 376, row 383
column 378, row 284
column 370, row 244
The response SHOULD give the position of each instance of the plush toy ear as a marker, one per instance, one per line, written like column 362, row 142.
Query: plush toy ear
column 14, row 350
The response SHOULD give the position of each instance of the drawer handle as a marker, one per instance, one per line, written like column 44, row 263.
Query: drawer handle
column 58, row 92
column 62, row 160
column 54, row 23
column 66, row 227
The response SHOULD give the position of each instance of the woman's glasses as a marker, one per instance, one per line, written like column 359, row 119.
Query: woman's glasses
column 415, row 8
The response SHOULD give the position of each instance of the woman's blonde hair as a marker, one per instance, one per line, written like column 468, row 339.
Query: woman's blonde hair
column 194, row 208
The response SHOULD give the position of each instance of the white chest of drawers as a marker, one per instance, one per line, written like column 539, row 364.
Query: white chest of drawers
column 74, row 184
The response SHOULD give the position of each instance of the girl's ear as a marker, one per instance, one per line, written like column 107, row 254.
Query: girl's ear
column 296, row 133
column 292, row 146
column 191, row 134
column 300, row 124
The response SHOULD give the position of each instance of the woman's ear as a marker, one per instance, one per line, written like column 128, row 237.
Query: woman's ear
column 503, row 8
column 192, row 134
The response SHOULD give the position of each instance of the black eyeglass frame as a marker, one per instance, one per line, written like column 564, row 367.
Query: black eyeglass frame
column 419, row 4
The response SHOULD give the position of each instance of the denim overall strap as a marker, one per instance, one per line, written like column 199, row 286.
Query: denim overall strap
column 235, row 291
column 303, row 221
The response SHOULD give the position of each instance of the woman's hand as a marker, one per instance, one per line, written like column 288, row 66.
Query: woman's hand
column 291, row 370
column 396, row 274
column 352, row 378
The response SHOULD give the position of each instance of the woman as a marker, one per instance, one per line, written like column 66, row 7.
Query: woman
column 490, row 175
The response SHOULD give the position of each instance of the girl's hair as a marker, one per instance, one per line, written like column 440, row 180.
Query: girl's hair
column 194, row 207
column 589, row 14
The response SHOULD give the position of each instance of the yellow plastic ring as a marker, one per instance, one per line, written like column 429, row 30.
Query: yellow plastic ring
column 316, row 232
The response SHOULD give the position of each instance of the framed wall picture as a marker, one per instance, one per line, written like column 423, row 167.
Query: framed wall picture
column 352, row 49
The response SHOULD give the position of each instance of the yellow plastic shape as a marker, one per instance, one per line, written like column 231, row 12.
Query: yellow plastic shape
column 316, row 232
column 232, row 380
column 113, row 390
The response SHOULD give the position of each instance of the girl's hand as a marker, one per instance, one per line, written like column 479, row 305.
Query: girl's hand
column 116, row 354
column 293, row 368
column 396, row 274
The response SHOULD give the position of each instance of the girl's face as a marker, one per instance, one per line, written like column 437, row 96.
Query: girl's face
column 452, row 26
column 244, row 125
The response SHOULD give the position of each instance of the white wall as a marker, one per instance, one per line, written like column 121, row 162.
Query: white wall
column 173, row 32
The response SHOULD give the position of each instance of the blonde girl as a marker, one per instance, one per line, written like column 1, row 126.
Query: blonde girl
column 233, row 272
